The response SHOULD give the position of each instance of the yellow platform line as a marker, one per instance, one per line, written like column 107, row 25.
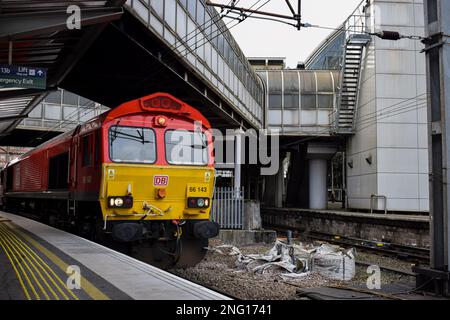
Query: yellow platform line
column 19, row 277
column 26, row 247
column 25, row 253
column 87, row 286
column 42, row 265
column 19, row 263
column 29, row 265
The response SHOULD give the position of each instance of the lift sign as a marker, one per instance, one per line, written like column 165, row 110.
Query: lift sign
column 160, row 181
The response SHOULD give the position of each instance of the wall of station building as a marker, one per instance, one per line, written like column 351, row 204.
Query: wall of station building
column 388, row 155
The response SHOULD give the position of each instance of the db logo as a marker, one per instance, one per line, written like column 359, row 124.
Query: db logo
column 160, row 181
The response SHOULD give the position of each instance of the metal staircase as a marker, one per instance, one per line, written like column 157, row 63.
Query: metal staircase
column 345, row 115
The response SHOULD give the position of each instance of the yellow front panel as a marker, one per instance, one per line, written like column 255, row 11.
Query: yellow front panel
column 139, row 180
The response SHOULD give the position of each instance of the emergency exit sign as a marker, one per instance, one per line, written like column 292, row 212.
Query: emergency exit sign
column 22, row 77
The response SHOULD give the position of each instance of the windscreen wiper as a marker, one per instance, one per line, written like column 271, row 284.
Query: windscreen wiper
column 128, row 136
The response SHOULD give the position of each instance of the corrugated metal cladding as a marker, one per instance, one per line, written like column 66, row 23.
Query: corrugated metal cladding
column 300, row 101
column 31, row 174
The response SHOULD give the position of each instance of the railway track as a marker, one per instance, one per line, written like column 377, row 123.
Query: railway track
column 402, row 252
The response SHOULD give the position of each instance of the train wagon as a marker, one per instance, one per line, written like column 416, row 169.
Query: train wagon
column 139, row 177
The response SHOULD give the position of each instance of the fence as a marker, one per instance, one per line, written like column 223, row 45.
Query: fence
column 228, row 207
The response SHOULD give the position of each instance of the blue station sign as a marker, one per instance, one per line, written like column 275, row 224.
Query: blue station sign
column 22, row 77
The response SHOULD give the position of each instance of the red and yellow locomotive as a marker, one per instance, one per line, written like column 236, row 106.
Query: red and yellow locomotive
column 139, row 177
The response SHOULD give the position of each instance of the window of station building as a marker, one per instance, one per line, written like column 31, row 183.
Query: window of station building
column 308, row 82
column 70, row 98
column 200, row 49
column 275, row 101
column 309, row 101
column 291, row 90
column 200, row 18
column 54, row 97
column 132, row 144
column 226, row 50
column 190, row 33
column 207, row 25
column 192, row 6
column 84, row 101
column 181, row 23
column 52, row 112
column 432, row 8
column 184, row 3
column 141, row 9
column 214, row 61
column 325, row 101
column 186, row 147
column 221, row 43
column 36, row 112
column 291, row 101
column 214, row 32
column 324, row 82
column 158, row 6
column 70, row 113
column 86, row 114
column 170, row 13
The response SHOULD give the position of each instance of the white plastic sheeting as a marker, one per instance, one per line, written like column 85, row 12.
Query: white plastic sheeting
column 296, row 261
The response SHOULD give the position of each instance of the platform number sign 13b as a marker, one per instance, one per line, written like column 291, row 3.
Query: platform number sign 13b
column 160, row 180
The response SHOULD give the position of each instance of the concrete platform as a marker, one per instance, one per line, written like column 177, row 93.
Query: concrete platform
column 37, row 259
column 411, row 230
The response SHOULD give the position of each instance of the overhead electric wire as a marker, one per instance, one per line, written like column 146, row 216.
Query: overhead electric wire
column 369, row 122
column 378, row 115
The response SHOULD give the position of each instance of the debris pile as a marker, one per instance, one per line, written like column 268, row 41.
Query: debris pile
column 296, row 260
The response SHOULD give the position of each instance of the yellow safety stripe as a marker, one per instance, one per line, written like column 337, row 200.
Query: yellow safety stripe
column 28, row 264
column 19, row 277
column 87, row 286
column 19, row 264
column 29, row 254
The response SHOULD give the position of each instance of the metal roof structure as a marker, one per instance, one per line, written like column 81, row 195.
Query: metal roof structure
column 35, row 34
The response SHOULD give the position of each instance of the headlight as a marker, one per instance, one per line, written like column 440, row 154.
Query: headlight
column 198, row 202
column 125, row 202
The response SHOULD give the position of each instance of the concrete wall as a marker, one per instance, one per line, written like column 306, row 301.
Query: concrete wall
column 391, row 122
column 398, row 229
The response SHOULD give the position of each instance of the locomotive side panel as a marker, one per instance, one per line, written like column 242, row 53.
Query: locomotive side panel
column 88, row 165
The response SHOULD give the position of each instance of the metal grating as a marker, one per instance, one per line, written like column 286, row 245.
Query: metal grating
column 228, row 207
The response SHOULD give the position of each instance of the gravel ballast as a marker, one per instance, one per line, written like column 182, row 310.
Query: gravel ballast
column 221, row 272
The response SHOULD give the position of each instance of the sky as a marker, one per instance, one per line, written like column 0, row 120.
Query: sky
column 267, row 38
